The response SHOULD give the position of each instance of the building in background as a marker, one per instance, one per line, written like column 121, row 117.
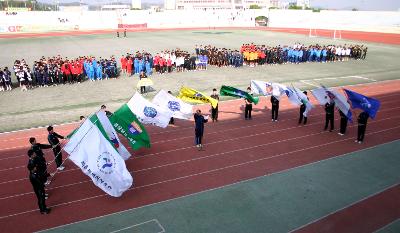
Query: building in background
column 303, row 4
column 136, row 4
column 74, row 8
column 169, row 4
column 214, row 4
column 115, row 7
column 275, row 3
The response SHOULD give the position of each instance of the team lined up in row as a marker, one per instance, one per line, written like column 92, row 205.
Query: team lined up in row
column 56, row 70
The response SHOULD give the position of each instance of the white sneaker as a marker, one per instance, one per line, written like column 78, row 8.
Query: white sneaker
column 356, row 141
column 47, row 183
column 60, row 168
column 359, row 142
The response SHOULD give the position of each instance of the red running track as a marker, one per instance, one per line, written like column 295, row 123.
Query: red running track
column 236, row 150
column 378, row 37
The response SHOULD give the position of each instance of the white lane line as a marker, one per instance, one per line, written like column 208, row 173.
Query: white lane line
column 344, row 207
column 212, row 171
column 221, row 187
column 142, row 223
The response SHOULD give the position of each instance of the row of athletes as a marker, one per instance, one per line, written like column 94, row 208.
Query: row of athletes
column 329, row 117
column 261, row 54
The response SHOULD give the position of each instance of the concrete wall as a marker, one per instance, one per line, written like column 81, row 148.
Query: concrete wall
column 92, row 20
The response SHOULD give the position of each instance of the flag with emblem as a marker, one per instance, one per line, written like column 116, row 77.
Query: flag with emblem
column 340, row 101
column 126, row 123
column 90, row 149
column 112, row 135
column 192, row 96
column 261, row 87
column 367, row 104
column 149, row 113
column 180, row 109
column 232, row 91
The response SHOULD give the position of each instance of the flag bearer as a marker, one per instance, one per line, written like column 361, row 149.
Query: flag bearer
column 199, row 121
column 214, row 111
column 343, row 123
column 248, row 107
column 329, row 115
column 53, row 140
column 38, row 188
column 362, row 125
column 275, row 108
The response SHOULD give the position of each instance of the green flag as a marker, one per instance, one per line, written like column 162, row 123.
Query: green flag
column 231, row 91
column 126, row 123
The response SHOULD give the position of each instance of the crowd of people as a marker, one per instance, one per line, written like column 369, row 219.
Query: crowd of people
column 299, row 53
column 57, row 70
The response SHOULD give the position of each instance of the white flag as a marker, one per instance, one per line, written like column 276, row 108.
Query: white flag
column 149, row 113
column 320, row 95
column 304, row 100
column 293, row 97
column 112, row 135
column 179, row 108
column 260, row 87
column 90, row 150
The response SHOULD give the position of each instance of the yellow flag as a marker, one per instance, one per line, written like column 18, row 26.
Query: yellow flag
column 192, row 96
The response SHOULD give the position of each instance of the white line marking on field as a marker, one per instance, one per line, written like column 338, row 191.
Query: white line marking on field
column 344, row 207
column 162, row 230
column 218, row 188
column 217, row 170
column 308, row 82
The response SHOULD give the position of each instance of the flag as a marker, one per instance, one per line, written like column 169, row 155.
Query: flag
column 149, row 113
column 180, row 109
column 340, row 102
column 367, row 104
column 320, row 95
column 304, row 100
column 279, row 89
column 126, row 123
column 192, row 96
column 293, row 97
column 90, row 150
column 231, row 91
column 261, row 87
column 112, row 135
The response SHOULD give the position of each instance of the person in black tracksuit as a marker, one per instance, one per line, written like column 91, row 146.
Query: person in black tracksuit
column 343, row 123
column 329, row 115
column 37, row 149
column 362, row 126
column 302, row 110
column 38, row 188
column 275, row 108
column 171, row 120
column 53, row 140
column 248, row 106
column 214, row 111
column 199, row 121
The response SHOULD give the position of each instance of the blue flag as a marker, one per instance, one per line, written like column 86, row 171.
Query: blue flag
column 367, row 104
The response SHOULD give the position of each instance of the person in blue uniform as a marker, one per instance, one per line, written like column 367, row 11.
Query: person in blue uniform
column 199, row 121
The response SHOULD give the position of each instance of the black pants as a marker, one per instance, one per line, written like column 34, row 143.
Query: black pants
column 361, row 132
column 171, row 121
column 214, row 113
column 57, row 155
column 329, row 118
column 40, row 194
column 275, row 109
column 199, row 137
column 343, row 125
column 142, row 89
column 247, row 111
column 302, row 116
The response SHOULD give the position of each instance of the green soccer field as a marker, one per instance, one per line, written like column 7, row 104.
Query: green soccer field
column 54, row 105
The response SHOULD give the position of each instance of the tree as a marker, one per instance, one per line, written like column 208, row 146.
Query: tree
column 255, row 7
